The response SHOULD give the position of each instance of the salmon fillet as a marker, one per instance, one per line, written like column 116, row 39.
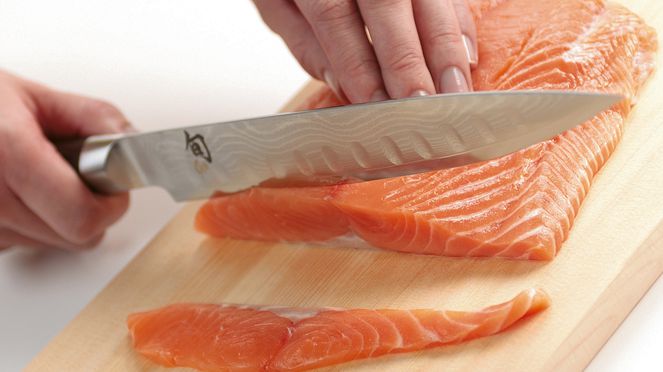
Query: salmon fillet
column 239, row 338
column 520, row 206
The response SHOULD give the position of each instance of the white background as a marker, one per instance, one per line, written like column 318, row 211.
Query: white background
column 165, row 64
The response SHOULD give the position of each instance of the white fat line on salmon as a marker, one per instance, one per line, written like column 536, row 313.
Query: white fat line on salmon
column 431, row 335
column 295, row 314
column 425, row 197
column 474, row 197
column 349, row 240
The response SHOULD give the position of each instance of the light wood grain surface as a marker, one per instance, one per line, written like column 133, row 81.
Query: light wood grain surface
column 612, row 256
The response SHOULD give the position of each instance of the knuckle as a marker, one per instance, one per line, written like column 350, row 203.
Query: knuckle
column 331, row 10
column 357, row 68
column 444, row 36
column 386, row 4
column 406, row 59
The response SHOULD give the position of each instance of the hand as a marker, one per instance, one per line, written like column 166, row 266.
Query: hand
column 415, row 47
column 43, row 201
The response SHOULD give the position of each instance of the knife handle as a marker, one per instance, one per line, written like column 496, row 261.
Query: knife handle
column 92, row 158
column 70, row 150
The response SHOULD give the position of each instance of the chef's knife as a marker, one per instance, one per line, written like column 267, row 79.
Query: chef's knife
column 362, row 141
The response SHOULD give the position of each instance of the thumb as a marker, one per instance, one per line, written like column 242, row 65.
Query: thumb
column 65, row 115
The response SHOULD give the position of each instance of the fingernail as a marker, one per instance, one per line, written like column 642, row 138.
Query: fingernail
column 331, row 82
column 126, row 127
column 453, row 80
column 419, row 93
column 379, row 95
column 472, row 55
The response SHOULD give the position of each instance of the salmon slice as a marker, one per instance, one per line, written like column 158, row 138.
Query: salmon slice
column 520, row 206
column 267, row 338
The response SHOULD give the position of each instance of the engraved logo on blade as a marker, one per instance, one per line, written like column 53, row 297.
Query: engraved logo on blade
column 196, row 144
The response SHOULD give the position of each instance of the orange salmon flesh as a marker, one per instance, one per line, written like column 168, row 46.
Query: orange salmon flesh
column 520, row 206
column 212, row 337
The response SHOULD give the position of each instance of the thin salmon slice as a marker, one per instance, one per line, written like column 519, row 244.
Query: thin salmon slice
column 520, row 206
column 266, row 338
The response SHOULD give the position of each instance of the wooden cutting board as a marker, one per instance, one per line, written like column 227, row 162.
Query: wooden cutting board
column 614, row 253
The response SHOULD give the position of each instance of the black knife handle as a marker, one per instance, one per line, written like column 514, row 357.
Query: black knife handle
column 70, row 150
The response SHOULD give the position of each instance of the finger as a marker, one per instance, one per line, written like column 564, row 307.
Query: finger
column 10, row 238
column 53, row 191
column 340, row 30
column 284, row 18
column 396, row 42
column 64, row 115
column 468, row 31
column 443, row 46
column 23, row 221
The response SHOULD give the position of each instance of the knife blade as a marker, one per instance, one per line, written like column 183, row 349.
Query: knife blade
column 362, row 141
